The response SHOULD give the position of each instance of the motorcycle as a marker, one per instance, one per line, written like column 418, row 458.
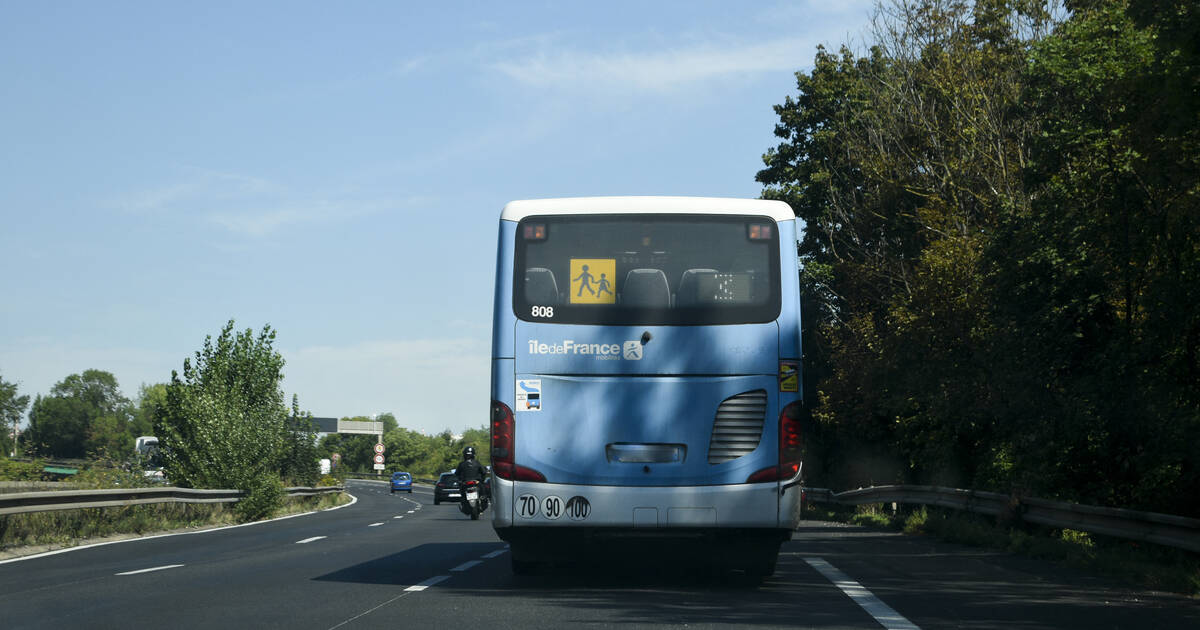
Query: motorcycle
column 473, row 502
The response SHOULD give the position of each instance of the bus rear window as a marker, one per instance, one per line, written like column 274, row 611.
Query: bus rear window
column 647, row 269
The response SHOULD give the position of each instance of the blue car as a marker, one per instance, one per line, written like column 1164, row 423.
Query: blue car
column 401, row 481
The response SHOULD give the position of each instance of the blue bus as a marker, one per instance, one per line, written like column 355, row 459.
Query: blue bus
column 646, row 377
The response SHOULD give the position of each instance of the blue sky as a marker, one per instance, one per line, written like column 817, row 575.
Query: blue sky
column 336, row 170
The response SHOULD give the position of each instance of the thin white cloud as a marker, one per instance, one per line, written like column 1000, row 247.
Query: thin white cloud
column 657, row 70
column 410, row 65
column 249, row 206
column 264, row 221
column 429, row 384
column 197, row 184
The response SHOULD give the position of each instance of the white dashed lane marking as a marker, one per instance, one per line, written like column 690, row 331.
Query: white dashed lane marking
column 427, row 583
column 466, row 565
column 884, row 614
column 494, row 554
column 168, row 566
column 308, row 540
column 375, row 524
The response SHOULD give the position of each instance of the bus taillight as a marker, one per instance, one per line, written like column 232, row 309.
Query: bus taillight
column 790, row 449
column 504, row 439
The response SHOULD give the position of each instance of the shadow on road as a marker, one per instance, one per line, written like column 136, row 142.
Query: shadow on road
column 409, row 566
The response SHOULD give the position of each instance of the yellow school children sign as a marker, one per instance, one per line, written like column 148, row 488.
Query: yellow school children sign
column 592, row 280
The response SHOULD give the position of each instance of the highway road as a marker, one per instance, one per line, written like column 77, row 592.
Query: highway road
column 398, row 561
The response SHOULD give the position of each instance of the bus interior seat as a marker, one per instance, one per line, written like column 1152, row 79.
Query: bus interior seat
column 646, row 287
column 540, row 287
column 689, row 285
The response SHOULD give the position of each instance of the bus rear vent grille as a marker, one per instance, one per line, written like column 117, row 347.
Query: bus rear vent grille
column 738, row 426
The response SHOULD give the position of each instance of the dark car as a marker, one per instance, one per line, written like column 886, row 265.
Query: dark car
column 401, row 481
column 446, row 488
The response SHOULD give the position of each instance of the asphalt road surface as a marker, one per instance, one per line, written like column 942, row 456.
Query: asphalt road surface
column 398, row 561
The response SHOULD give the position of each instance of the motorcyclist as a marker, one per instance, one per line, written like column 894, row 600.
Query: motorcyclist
column 469, row 468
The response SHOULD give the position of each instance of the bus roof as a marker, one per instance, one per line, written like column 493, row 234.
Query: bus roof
column 517, row 210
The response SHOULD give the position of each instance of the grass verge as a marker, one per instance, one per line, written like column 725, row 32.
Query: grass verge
column 1144, row 565
column 69, row 528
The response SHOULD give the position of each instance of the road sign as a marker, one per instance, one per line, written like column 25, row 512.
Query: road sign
column 379, row 459
column 378, row 466
column 358, row 426
column 378, row 449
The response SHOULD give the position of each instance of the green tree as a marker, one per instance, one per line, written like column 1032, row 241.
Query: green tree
column 901, row 162
column 84, row 414
column 12, row 407
column 1100, row 271
column 388, row 420
column 1001, row 249
column 150, row 404
column 225, row 424
column 300, row 450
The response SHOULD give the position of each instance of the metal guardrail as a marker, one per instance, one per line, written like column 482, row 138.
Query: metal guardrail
column 1163, row 529
column 25, row 502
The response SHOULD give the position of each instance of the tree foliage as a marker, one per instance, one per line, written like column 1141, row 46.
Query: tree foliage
column 83, row 415
column 1000, row 255
column 12, row 407
column 225, row 423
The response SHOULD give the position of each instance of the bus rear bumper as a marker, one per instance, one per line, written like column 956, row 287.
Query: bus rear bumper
column 644, row 511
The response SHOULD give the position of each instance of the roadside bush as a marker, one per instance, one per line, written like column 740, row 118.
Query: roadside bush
column 329, row 480
column 13, row 470
column 264, row 495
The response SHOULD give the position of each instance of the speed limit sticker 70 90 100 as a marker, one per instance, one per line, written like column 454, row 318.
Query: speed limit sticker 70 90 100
column 552, row 507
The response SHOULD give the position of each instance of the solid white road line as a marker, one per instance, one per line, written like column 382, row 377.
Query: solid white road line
column 168, row 566
column 495, row 553
column 353, row 500
column 466, row 565
column 884, row 614
column 427, row 583
column 308, row 540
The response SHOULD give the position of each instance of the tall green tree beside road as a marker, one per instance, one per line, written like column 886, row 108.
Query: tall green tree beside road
column 1000, row 257
column 900, row 163
column 1107, row 259
column 226, row 425
column 12, row 407
column 83, row 415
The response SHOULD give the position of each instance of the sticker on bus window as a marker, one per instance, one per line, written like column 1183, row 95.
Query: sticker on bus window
column 529, row 395
column 789, row 376
column 592, row 280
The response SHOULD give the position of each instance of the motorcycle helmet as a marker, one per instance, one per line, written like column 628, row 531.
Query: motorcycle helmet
column 469, row 452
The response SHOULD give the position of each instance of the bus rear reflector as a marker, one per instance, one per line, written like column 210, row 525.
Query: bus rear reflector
column 790, row 451
column 504, row 441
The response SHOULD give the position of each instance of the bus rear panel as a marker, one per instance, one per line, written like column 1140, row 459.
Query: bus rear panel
column 645, row 376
